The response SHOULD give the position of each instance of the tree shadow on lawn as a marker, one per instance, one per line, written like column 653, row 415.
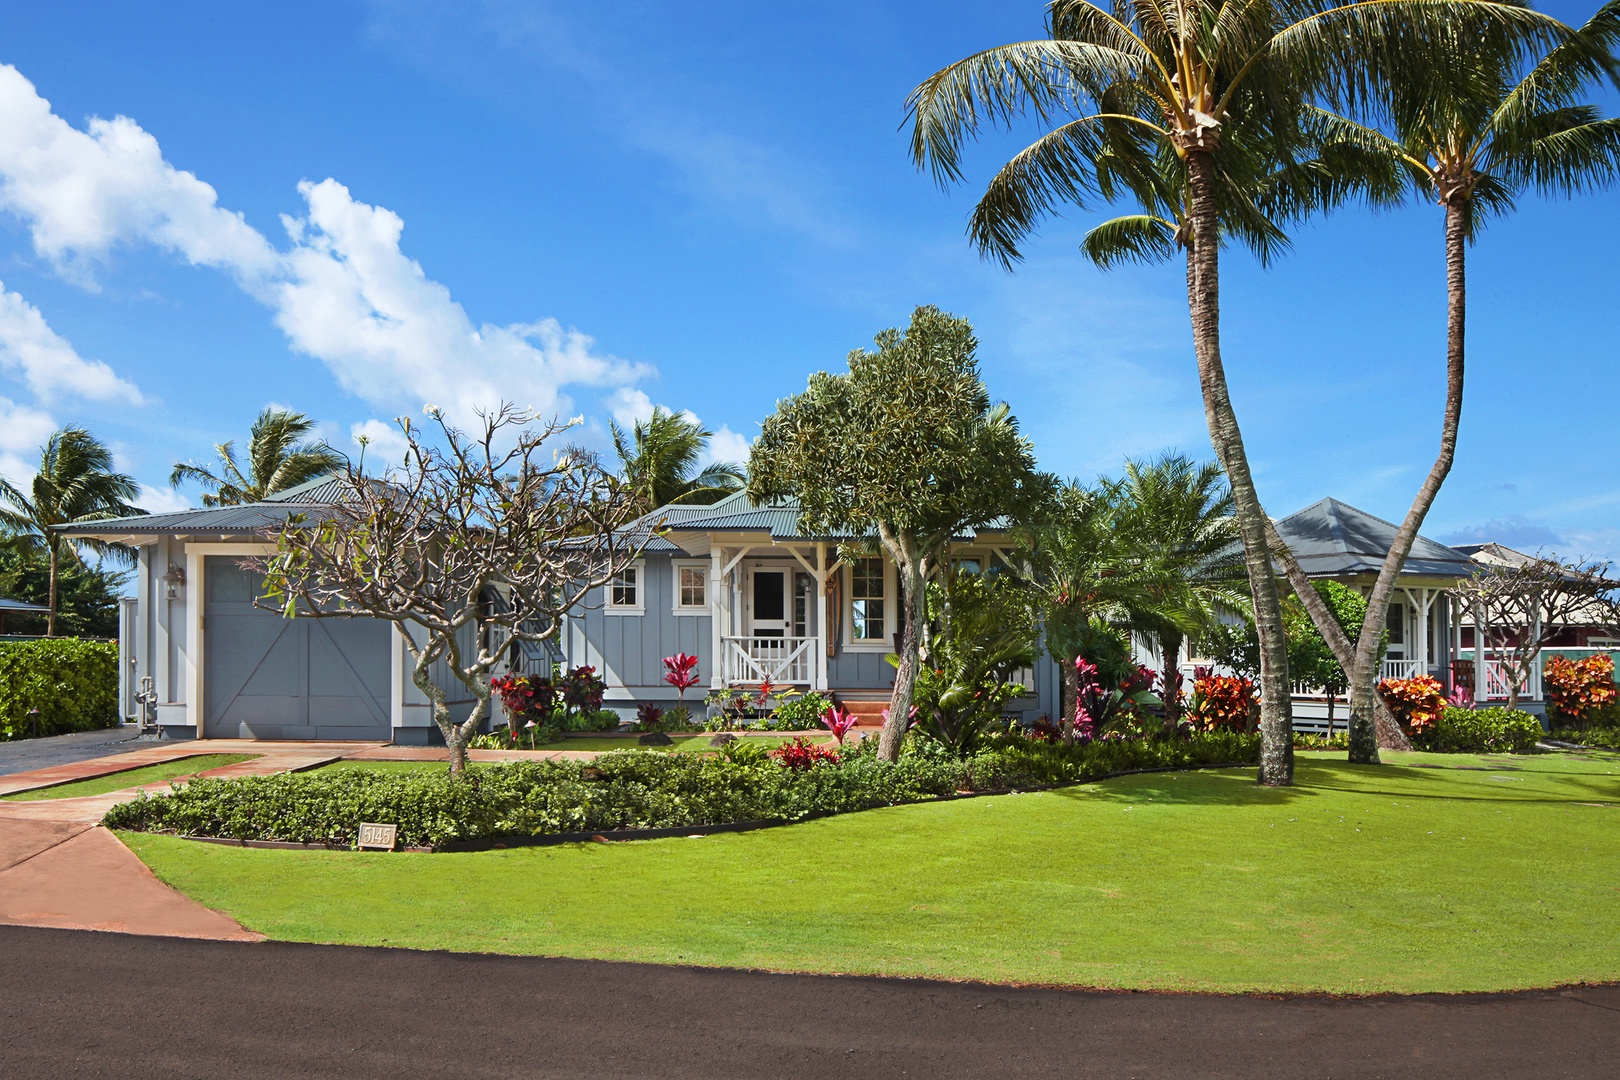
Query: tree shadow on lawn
column 1238, row 788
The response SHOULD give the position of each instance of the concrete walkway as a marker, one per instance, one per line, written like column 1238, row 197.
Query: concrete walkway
column 59, row 868
column 25, row 755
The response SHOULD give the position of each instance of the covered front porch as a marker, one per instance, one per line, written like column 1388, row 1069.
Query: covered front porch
column 771, row 608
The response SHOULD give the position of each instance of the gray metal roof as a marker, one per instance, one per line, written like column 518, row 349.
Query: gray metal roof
column 1334, row 539
column 248, row 518
column 21, row 606
column 780, row 519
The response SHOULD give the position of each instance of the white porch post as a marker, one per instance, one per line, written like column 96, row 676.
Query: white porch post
column 717, row 654
column 1425, row 597
column 1480, row 695
column 820, row 613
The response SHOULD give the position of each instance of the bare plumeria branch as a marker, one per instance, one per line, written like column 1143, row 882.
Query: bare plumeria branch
column 476, row 543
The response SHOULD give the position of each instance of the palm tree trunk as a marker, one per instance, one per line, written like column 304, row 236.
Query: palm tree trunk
column 1170, row 645
column 50, row 603
column 1363, row 692
column 1203, row 297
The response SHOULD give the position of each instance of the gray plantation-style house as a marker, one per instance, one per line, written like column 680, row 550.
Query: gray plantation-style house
column 739, row 586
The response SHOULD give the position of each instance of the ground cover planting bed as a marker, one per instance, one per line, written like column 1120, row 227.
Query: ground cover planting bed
column 1436, row 873
column 177, row 769
column 683, row 743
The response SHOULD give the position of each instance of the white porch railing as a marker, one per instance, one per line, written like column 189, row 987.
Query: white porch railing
column 1498, row 675
column 780, row 660
column 1399, row 669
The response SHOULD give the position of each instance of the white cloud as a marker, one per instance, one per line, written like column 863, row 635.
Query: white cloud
column 345, row 293
column 23, row 430
column 47, row 363
column 393, row 336
column 85, row 192
column 385, row 444
column 630, row 406
column 727, row 445
column 161, row 500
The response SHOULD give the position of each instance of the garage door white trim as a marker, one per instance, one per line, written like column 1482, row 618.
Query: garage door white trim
column 194, row 594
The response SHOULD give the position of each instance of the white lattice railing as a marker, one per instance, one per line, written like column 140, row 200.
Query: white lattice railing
column 1498, row 675
column 1399, row 669
column 779, row 660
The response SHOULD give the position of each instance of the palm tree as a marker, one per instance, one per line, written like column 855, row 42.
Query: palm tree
column 278, row 458
column 1177, row 516
column 75, row 484
column 660, row 462
column 1473, row 142
column 1179, row 74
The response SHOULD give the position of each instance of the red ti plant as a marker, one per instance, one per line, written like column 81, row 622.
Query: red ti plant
column 680, row 671
column 801, row 753
column 838, row 720
column 763, row 698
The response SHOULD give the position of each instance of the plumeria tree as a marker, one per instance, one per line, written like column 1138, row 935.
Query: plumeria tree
column 477, row 542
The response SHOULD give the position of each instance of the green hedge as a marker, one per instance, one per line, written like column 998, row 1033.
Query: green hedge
column 73, row 684
column 1482, row 731
column 1604, row 738
column 627, row 789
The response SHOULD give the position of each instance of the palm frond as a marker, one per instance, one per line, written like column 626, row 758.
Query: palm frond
column 1133, row 238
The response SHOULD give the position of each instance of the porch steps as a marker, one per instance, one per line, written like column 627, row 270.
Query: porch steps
column 868, row 712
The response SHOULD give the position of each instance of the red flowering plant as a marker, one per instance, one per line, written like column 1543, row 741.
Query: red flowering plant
column 582, row 690
column 801, row 753
column 1098, row 706
column 530, row 702
column 680, row 671
column 838, row 720
column 1221, row 701
column 1579, row 691
column 1416, row 702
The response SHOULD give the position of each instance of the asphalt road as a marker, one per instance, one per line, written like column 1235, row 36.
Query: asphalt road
column 86, row 1004
column 24, row 755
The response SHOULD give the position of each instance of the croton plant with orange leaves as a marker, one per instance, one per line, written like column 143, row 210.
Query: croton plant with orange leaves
column 1416, row 702
column 1580, row 689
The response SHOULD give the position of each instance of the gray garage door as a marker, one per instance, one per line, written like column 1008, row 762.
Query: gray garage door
column 267, row 677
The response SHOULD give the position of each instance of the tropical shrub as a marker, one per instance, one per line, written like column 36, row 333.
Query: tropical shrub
column 73, row 684
column 1579, row 691
column 1099, row 707
column 1221, row 702
column 838, row 721
column 1416, row 702
column 1480, row 731
column 803, row 710
column 801, row 753
column 636, row 789
column 1606, row 737
column 649, row 717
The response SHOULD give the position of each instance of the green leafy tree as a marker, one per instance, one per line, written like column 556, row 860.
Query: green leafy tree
column 1311, row 659
column 278, row 457
column 659, row 462
column 1217, row 84
column 86, row 595
column 75, row 484
column 1478, row 133
column 906, row 448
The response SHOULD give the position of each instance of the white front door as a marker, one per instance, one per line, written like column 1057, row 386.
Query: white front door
column 768, row 612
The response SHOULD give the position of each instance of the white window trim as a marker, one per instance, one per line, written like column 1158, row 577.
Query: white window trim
column 676, row 566
column 640, row 606
column 891, row 601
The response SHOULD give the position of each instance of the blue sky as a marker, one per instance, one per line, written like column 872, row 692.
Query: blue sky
column 352, row 208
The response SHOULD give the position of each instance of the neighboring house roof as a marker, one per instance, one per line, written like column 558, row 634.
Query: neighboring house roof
column 1333, row 539
column 21, row 607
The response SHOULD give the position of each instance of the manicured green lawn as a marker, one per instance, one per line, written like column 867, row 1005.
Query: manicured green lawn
column 149, row 774
column 1468, row 874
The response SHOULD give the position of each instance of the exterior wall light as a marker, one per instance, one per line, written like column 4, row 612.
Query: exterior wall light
column 173, row 581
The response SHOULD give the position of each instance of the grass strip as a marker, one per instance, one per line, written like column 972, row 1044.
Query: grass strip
column 146, row 774
column 1433, row 873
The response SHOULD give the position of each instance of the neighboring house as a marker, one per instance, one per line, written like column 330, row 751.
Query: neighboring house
column 755, row 598
column 18, row 607
column 1576, row 638
column 1334, row 541
column 222, row 667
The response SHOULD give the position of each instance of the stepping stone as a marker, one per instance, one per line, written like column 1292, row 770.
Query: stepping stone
column 656, row 738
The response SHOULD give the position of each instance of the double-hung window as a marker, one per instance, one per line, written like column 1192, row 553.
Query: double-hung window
column 692, row 588
column 624, row 593
column 868, row 610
